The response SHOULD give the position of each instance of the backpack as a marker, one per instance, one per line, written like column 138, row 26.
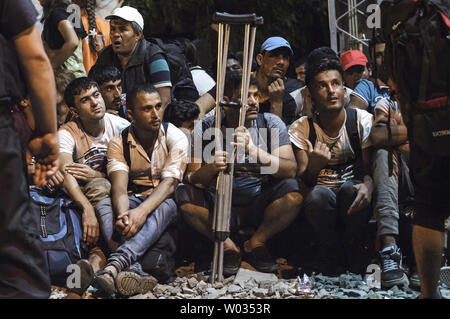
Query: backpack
column 416, row 54
column 183, row 87
column 351, row 125
column 59, row 231
column 159, row 260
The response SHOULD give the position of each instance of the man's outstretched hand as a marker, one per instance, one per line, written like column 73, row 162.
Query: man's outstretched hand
column 45, row 150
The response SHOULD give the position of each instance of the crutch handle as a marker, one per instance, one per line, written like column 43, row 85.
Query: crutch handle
column 235, row 105
column 227, row 18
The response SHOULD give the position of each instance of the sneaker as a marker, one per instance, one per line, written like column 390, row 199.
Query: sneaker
column 392, row 272
column 261, row 259
column 414, row 280
column 133, row 282
column 445, row 277
column 231, row 262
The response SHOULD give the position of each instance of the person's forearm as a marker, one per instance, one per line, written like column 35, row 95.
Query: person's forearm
column 163, row 191
column 205, row 103
column 58, row 57
column 203, row 175
column 75, row 192
column 380, row 138
column 120, row 199
column 286, row 168
column 41, row 83
column 164, row 93
column 309, row 176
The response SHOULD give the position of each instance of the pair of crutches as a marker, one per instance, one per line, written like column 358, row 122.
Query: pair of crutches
column 224, row 186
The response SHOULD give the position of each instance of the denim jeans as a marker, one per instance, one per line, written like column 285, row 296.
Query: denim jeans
column 385, row 194
column 127, row 252
column 325, row 210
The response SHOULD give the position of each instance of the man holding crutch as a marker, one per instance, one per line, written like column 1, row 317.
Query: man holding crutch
column 269, row 202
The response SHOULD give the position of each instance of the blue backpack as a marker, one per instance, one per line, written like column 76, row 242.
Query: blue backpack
column 59, row 231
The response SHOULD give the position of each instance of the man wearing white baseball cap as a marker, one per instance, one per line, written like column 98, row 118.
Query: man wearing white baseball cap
column 139, row 60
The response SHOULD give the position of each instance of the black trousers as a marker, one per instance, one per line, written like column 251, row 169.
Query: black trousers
column 23, row 270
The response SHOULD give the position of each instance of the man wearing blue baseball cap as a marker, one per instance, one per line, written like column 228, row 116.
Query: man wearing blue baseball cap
column 274, row 94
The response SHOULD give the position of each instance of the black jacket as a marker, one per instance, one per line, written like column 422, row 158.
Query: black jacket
column 137, row 71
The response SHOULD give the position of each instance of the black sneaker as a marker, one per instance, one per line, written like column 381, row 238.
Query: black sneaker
column 231, row 262
column 261, row 259
column 392, row 272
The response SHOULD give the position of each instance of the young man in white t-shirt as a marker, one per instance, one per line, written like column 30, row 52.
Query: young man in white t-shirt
column 83, row 146
column 335, row 173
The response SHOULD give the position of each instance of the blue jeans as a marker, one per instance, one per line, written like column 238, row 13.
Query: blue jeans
column 334, row 230
column 127, row 252
column 385, row 194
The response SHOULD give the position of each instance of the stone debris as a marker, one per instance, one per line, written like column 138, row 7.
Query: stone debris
column 255, row 285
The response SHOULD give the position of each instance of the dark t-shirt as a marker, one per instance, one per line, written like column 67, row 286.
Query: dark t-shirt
column 15, row 17
column 248, row 175
column 51, row 34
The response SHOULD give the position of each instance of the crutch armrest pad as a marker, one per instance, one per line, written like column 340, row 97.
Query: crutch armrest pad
column 227, row 18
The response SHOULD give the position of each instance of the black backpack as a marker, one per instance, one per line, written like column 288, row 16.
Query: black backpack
column 183, row 87
column 416, row 58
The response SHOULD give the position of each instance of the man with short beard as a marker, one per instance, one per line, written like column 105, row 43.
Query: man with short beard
column 139, row 61
column 145, row 164
column 109, row 80
column 269, row 202
column 333, row 164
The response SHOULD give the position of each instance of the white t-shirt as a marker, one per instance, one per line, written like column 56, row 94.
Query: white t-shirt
column 86, row 149
column 202, row 80
column 338, row 170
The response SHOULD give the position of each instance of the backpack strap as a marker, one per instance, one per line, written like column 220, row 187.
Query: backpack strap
column 165, row 125
column 351, row 125
column 126, row 147
column 312, row 132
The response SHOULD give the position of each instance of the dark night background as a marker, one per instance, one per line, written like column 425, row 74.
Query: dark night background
column 304, row 23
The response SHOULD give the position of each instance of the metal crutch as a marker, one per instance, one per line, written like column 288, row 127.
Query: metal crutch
column 222, row 206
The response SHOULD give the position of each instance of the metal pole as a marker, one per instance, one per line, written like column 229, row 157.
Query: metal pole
column 333, row 24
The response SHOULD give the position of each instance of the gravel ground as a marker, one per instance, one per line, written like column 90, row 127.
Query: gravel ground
column 248, row 284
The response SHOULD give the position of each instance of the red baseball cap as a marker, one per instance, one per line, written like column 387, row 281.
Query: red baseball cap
column 351, row 58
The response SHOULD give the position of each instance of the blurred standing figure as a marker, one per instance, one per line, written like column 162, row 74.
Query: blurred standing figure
column 62, row 39
column 24, row 64
column 97, row 32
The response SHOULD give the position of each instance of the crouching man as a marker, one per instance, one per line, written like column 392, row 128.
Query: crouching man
column 267, row 202
column 145, row 164
column 333, row 152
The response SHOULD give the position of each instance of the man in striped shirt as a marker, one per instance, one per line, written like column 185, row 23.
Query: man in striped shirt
column 138, row 60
